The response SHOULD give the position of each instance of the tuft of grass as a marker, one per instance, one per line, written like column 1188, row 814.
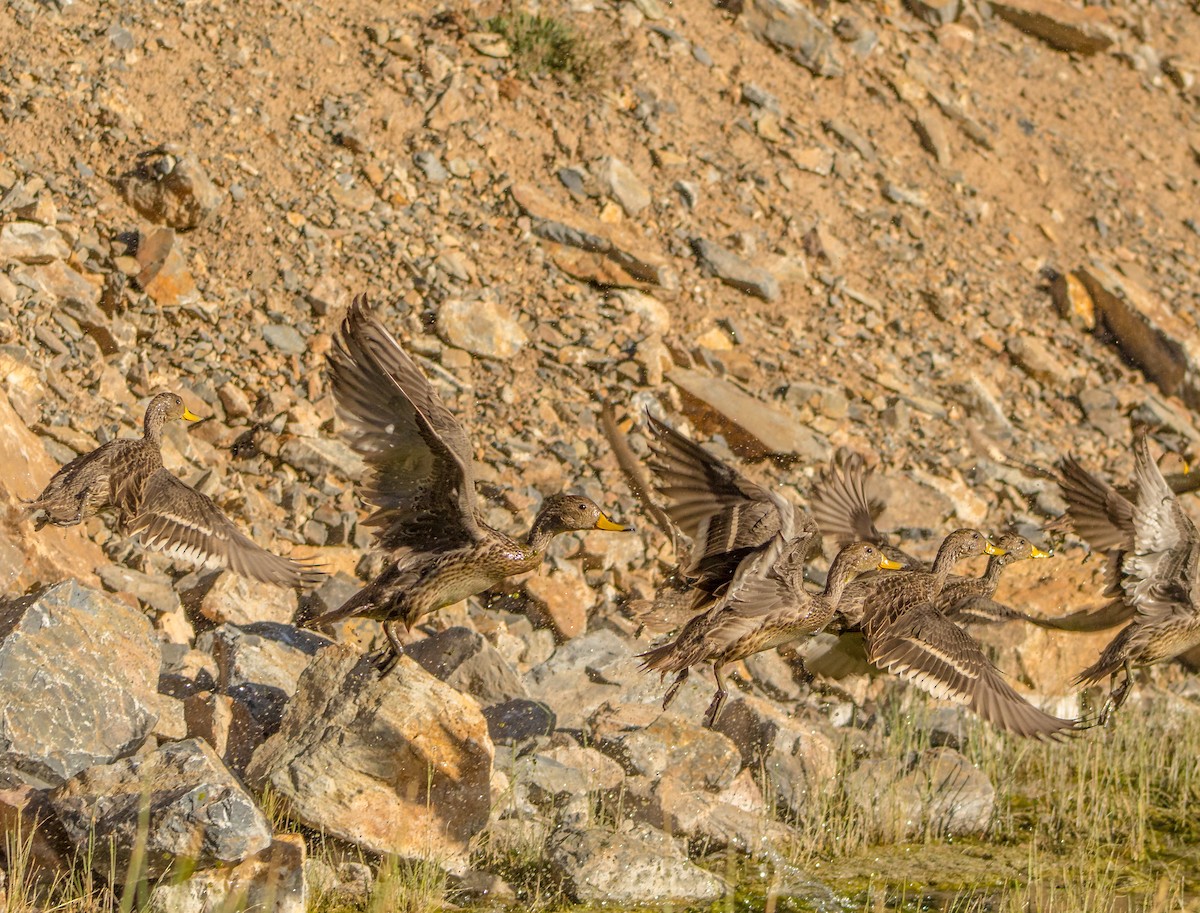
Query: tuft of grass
column 545, row 44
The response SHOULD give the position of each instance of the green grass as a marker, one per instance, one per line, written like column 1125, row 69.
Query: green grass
column 547, row 45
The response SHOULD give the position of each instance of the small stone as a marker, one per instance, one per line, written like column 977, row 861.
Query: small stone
column 170, row 187
column 285, row 338
column 480, row 327
column 561, row 600
column 1036, row 360
column 934, row 12
column 620, row 183
column 794, row 29
column 60, row 281
column 736, row 272
column 30, row 242
column 1072, row 301
column 164, row 274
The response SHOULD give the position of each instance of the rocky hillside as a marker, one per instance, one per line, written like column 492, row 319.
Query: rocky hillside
column 959, row 237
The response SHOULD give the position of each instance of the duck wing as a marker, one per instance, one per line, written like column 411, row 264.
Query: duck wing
column 1160, row 572
column 924, row 647
column 724, row 514
column 840, row 503
column 422, row 478
column 176, row 519
column 1100, row 514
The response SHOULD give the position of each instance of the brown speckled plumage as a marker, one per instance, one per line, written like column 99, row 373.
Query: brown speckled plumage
column 128, row 476
column 422, row 485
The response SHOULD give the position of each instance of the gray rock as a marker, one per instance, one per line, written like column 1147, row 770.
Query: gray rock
column 934, row 12
column 650, row 742
column 792, row 28
column 78, row 672
column 271, row 881
column 397, row 764
column 620, row 183
column 519, row 720
column 321, row 456
column 260, row 664
column 30, row 242
column 676, row 806
column 941, row 795
column 189, row 809
column 600, row 771
column 574, row 681
column 736, row 272
column 481, row 327
column 151, row 590
column 285, row 338
column 637, row 865
column 464, row 660
column 752, row 427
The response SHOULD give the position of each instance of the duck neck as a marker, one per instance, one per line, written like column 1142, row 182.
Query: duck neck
column 946, row 558
column 541, row 533
column 837, row 580
column 153, row 427
column 991, row 576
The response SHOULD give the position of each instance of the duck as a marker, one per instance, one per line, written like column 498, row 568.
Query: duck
column 907, row 634
column 421, row 483
column 166, row 514
column 1158, row 574
column 766, row 606
column 968, row 600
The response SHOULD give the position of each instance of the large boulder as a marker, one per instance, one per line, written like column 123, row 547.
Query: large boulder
column 398, row 764
column 465, row 661
column 271, row 881
column 174, row 809
column 79, row 674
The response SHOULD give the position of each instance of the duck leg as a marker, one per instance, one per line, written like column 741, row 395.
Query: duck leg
column 1117, row 694
column 718, row 701
column 674, row 689
column 387, row 658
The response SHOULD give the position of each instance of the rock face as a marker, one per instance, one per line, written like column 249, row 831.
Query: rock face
column 464, row 660
column 397, row 764
column 181, row 800
column 68, row 704
column 634, row 866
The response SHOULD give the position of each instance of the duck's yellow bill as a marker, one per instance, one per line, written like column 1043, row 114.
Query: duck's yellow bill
column 1035, row 552
column 189, row 415
column 605, row 523
column 994, row 549
column 887, row 564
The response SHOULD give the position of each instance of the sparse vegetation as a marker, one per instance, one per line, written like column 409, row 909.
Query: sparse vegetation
column 543, row 44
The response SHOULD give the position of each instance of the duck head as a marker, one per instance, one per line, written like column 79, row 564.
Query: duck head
column 166, row 407
column 564, row 513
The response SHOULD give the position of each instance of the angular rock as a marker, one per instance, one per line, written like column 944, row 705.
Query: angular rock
column 151, row 590
column 1062, row 26
column 185, row 805
column 1036, row 359
column 464, row 660
column 736, row 272
column 319, row 456
column 237, row 600
column 261, row 664
column 638, row 865
column 752, row 427
column 271, row 881
column 574, row 680
column 285, row 338
column 67, row 703
column 934, row 12
column 59, row 281
column 600, row 771
column 170, row 187
column 792, row 28
column 397, row 764
column 942, row 795
column 620, row 183
column 164, row 274
column 519, row 720
column 480, row 327
column 668, row 742
column 632, row 253
column 1147, row 331
column 678, row 807
column 30, row 242
column 561, row 600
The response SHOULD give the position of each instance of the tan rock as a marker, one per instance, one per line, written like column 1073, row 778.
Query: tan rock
column 226, row 724
column 164, row 275
column 1072, row 300
column 397, row 764
column 170, row 187
column 271, row 881
column 238, row 600
column 561, row 600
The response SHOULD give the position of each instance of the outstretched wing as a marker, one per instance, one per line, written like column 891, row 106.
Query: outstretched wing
column 1100, row 514
column 422, row 479
column 1158, row 574
column 724, row 514
column 927, row 649
column 840, row 504
column 176, row 519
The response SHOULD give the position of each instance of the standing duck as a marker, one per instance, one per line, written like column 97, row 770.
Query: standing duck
column 906, row 633
column 422, row 485
column 170, row 516
column 1159, row 575
column 766, row 606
